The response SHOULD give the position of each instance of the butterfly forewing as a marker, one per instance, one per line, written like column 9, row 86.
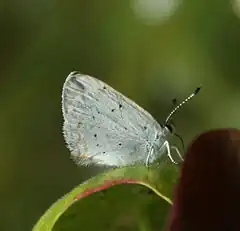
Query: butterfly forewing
column 101, row 126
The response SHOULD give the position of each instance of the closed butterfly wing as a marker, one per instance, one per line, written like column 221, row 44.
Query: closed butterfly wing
column 103, row 127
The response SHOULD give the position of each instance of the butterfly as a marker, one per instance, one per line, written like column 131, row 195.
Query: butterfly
column 104, row 127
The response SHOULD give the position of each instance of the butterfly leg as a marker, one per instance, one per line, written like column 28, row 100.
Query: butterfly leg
column 178, row 152
column 166, row 144
column 148, row 156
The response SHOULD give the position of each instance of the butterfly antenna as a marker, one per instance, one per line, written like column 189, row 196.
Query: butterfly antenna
column 181, row 104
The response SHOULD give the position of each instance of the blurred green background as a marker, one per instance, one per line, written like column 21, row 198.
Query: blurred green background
column 150, row 50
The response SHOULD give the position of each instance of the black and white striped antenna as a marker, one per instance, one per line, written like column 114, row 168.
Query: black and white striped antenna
column 181, row 104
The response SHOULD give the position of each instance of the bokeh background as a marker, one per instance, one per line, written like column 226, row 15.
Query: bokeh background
column 150, row 50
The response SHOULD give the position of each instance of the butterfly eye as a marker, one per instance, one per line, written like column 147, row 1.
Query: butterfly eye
column 170, row 127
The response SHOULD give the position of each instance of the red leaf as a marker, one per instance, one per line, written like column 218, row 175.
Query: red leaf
column 208, row 194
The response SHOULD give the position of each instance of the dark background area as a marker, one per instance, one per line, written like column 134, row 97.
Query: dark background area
column 150, row 50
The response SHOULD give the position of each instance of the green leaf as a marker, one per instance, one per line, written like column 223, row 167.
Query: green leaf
column 122, row 206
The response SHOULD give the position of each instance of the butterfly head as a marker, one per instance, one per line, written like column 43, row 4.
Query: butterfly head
column 169, row 128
